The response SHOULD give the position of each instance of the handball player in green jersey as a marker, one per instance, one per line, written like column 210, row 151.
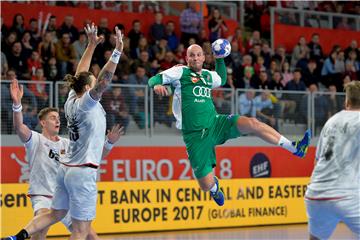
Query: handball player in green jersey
column 202, row 127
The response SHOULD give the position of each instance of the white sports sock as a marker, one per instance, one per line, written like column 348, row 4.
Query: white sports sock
column 214, row 188
column 286, row 143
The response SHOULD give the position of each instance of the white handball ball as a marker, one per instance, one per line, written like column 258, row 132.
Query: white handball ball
column 221, row 48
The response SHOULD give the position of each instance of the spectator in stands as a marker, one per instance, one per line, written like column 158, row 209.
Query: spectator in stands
column 68, row 27
column 350, row 71
column 155, row 67
column 134, row 35
column 321, row 107
column 354, row 61
column 276, row 81
column 217, row 26
column 115, row 108
column 80, row 45
column 27, row 48
column 7, row 43
column 316, row 51
column 340, row 62
column 245, row 80
column 300, row 51
column 46, row 48
column 18, row 24
column 246, row 104
column 103, row 28
column 34, row 63
column 65, row 54
column 4, row 65
column 265, row 109
column 286, row 73
column 266, row 53
column 52, row 24
column 203, row 37
column 255, row 52
column 51, row 71
column 280, row 56
column 168, row 61
column 63, row 95
column 296, row 84
column 173, row 40
column 143, row 60
column 311, row 75
column 259, row 65
column 335, row 102
column 238, row 38
column 4, row 29
column 17, row 61
column 136, row 96
column 180, row 53
column 191, row 22
column 261, row 82
column 144, row 46
column 34, row 32
column 157, row 29
column 234, row 59
column 352, row 47
column 255, row 39
column 159, row 50
column 38, row 87
column 328, row 73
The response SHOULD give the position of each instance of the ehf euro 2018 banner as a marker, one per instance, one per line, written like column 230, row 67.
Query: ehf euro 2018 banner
column 171, row 163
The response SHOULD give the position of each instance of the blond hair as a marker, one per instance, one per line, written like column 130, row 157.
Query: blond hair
column 45, row 111
column 352, row 90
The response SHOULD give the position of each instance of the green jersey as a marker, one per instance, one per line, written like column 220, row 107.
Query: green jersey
column 193, row 105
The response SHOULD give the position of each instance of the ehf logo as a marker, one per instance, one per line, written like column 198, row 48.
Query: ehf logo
column 260, row 166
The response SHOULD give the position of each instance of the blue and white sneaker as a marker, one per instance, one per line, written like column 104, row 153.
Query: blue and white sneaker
column 303, row 144
column 9, row 238
column 218, row 196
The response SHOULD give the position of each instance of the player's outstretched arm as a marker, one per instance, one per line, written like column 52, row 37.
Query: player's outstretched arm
column 111, row 138
column 17, row 92
column 106, row 74
column 94, row 40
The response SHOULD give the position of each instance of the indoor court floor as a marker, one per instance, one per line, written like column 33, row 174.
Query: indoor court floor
column 262, row 232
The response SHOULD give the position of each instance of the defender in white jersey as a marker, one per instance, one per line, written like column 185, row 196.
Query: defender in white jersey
column 76, row 190
column 334, row 192
column 43, row 151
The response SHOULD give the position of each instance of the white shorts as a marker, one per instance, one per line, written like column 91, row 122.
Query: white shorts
column 39, row 202
column 324, row 215
column 76, row 191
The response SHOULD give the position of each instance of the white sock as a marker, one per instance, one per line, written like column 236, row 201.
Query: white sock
column 214, row 188
column 286, row 143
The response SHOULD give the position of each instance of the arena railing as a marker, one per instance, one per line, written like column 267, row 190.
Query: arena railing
column 307, row 18
column 323, row 106
column 144, row 113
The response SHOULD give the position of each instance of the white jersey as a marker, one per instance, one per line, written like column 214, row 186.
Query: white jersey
column 337, row 170
column 87, row 126
column 43, row 156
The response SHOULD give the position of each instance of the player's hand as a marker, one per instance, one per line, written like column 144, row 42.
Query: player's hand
column 114, row 134
column 91, row 32
column 161, row 90
column 119, row 39
column 16, row 92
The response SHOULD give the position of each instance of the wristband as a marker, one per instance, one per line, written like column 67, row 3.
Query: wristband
column 108, row 145
column 115, row 56
column 17, row 108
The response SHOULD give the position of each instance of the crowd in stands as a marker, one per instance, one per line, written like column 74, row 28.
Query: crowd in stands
column 53, row 50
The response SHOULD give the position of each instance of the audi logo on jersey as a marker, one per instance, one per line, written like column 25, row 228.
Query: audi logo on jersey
column 200, row 91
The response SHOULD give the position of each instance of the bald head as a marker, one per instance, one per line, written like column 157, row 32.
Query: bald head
column 195, row 57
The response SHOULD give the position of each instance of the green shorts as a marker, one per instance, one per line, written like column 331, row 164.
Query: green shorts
column 200, row 145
